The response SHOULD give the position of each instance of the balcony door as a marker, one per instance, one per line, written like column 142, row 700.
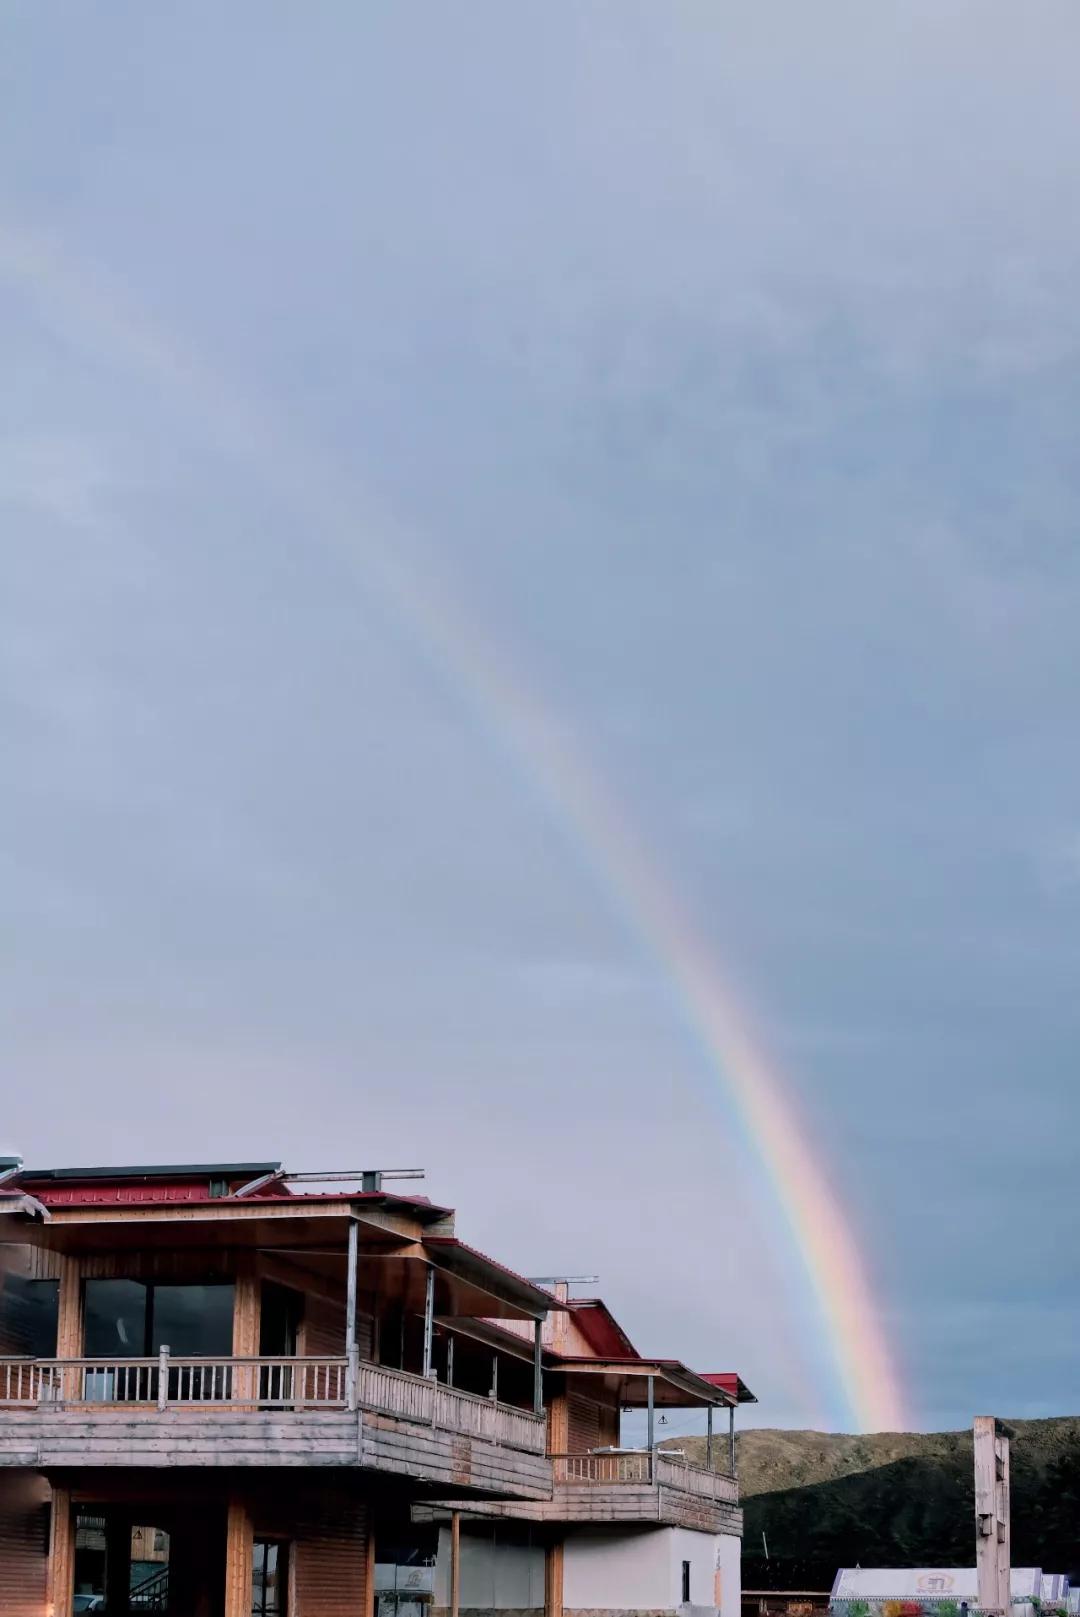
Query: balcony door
column 280, row 1316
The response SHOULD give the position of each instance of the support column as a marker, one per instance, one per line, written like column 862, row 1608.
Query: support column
column 558, row 1423
column 731, row 1437
column 708, row 1439
column 351, row 1354
column 652, row 1427
column 538, row 1367
column 455, row 1563
column 350, row 1287
column 245, row 1339
column 554, row 1560
column 238, row 1537
column 61, row 1554
column 69, row 1324
column 429, row 1320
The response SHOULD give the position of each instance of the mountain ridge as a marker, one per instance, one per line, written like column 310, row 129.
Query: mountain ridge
column 822, row 1500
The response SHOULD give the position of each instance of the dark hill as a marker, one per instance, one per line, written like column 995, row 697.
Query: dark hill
column 827, row 1500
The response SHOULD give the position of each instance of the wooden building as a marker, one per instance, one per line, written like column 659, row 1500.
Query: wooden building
column 226, row 1391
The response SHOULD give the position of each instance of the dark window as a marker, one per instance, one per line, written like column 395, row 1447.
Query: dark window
column 269, row 1577
column 686, row 1583
column 28, row 1313
column 130, row 1319
column 116, row 1319
column 90, row 1562
column 195, row 1320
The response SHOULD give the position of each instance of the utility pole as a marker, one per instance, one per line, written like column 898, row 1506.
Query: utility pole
column 992, row 1545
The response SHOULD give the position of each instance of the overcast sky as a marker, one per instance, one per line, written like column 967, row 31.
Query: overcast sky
column 718, row 365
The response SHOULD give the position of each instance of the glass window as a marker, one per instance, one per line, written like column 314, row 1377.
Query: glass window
column 686, row 1583
column 195, row 1320
column 269, row 1578
column 116, row 1319
column 28, row 1312
column 131, row 1319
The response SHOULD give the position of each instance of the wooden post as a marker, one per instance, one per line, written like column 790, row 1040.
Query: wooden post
column 731, row 1437
column 455, row 1563
column 450, row 1362
column 553, row 1579
column 652, row 1428
column 558, row 1423
column 538, row 1367
column 61, row 1554
column 238, row 1551
column 69, row 1324
column 992, row 1536
column 429, row 1321
column 245, row 1342
column 163, row 1379
column 708, row 1438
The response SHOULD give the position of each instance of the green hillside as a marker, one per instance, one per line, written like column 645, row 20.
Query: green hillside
column 897, row 1499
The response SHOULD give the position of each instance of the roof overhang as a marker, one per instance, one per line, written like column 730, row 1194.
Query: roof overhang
column 674, row 1386
column 394, row 1256
column 733, row 1384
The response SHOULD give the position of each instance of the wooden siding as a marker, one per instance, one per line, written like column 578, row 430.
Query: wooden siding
column 591, row 1424
column 24, row 1549
column 322, row 1331
column 115, row 1436
column 330, row 1549
column 625, row 1503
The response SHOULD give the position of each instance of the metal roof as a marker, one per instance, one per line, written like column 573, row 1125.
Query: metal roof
column 187, row 1170
column 731, row 1383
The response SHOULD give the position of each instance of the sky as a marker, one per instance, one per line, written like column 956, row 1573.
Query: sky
column 710, row 375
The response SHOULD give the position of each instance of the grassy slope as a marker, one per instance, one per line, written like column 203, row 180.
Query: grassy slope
column 897, row 1499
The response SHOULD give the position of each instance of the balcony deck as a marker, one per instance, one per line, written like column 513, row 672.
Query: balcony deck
column 630, row 1486
column 172, row 1411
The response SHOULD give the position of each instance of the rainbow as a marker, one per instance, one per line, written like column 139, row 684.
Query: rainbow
column 820, row 1231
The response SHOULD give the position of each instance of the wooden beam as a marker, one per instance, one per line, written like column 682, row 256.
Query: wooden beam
column 238, row 1542
column 553, row 1579
column 61, row 1554
column 455, row 1563
column 69, row 1322
column 246, row 1314
column 558, row 1424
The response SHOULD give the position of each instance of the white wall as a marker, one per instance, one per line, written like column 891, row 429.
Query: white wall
column 620, row 1568
column 700, row 1550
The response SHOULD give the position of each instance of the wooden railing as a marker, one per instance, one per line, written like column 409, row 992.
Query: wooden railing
column 631, row 1466
column 638, row 1466
column 395, row 1392
column 169, row 1382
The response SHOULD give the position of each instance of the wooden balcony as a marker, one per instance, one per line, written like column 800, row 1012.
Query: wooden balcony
column 637, row 1468
column 172, row 1411
column 631, row 1485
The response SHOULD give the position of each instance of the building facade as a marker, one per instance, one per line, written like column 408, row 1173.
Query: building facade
column 227, row 1391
